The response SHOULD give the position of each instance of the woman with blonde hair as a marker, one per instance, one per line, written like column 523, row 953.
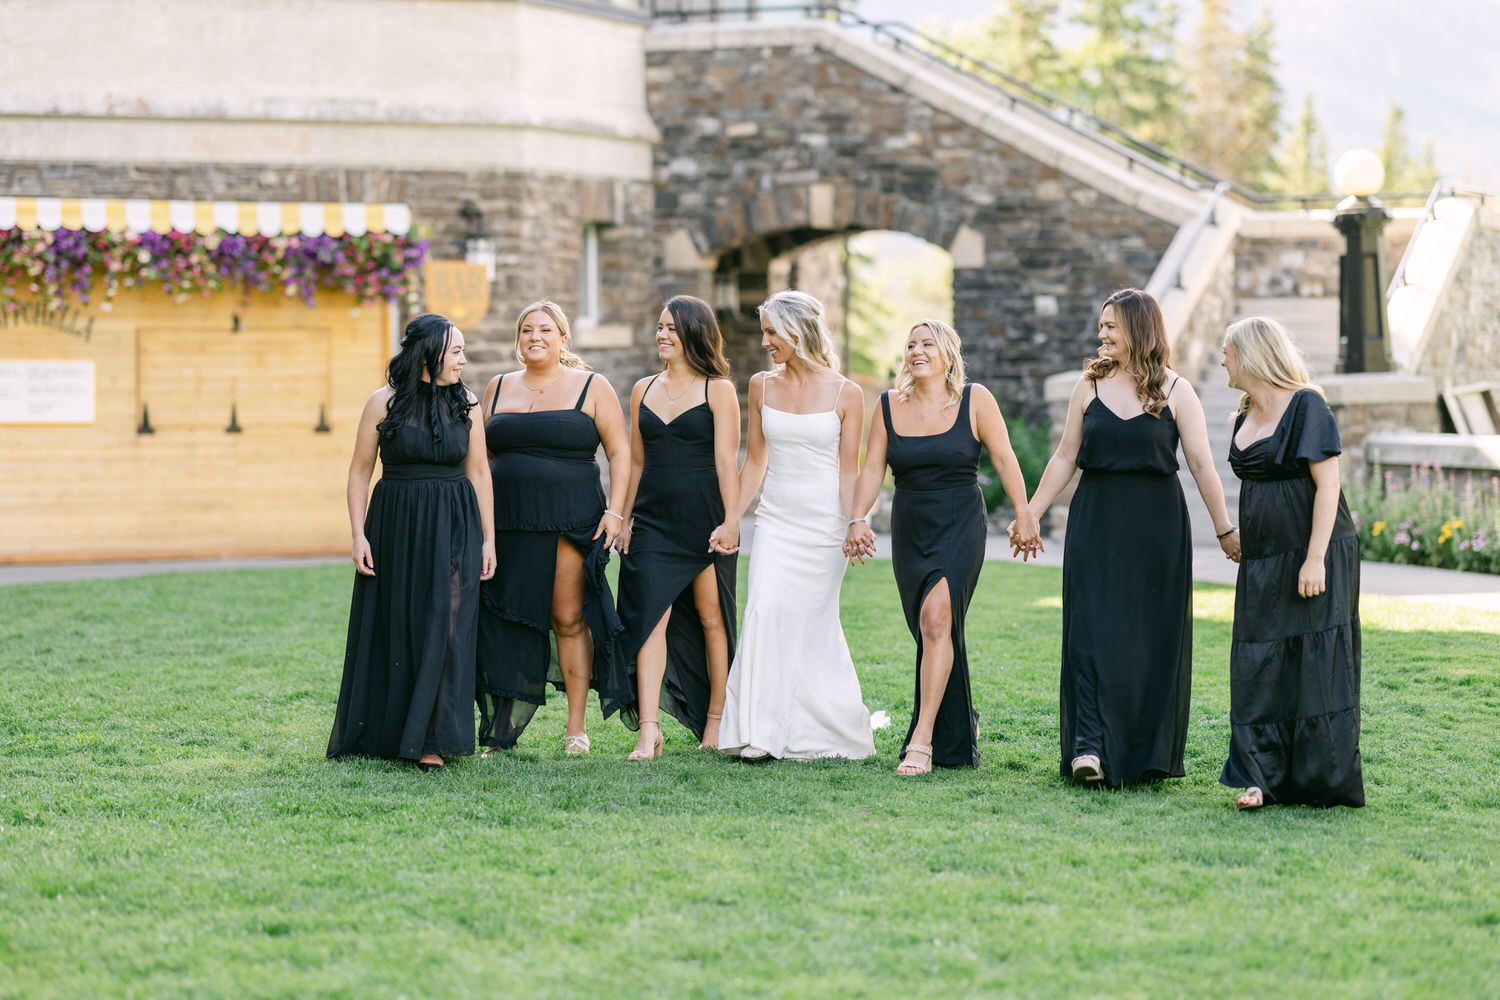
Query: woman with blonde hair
column 677, row 586
column 1294, row 663
column 792, row 688
column 553, row 531
column 1128, row 555
column 937, row 528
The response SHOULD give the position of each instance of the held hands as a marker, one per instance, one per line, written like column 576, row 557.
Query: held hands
column 487, row 560
column 1230, row 543
column 610, row 526
column 1310, row 578
column 622, row 541
column 364, row 562
column 725, row 539
column 1025, row 535
column 859, row 542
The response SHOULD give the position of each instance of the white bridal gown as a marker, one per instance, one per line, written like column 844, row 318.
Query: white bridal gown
column 792, row 688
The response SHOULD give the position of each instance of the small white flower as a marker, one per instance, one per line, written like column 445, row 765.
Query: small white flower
column 880, row 719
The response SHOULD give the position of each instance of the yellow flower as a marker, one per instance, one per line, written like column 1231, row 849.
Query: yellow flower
column 1458, row 523
column 1376, row 529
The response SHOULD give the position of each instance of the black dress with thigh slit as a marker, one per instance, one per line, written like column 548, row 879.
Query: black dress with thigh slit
column 1127, row 600
column 408, row 678
column 937, row 534
column 677, row 506
column 1294, row 665
column 546, row 485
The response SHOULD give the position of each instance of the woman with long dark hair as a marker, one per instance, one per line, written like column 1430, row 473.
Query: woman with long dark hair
column 677, row 568
column 420, row 552
column 1127, row 643
column 553, row 532
column 1294, row 664
column 930, row 431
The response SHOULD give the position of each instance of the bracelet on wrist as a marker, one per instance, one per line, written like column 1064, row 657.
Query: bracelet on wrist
column 1225, row 534
column 614, row 515
column 857, row 520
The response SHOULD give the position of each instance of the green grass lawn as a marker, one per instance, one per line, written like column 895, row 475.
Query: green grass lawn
column 169, row 827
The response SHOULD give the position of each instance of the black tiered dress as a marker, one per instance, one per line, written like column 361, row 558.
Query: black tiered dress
column 677, row 506
column 546, row 485
column 409, row 660
column 938, row 533
column 1127, row 600
column 1294, row 666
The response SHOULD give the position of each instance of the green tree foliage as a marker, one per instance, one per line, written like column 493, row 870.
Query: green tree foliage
column 1122, row 68
column 1232, row 101
column 1403, row 171
column 1017, row 38
column 1302, row 160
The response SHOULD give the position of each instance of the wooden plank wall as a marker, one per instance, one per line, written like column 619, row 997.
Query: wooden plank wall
column 105, row 491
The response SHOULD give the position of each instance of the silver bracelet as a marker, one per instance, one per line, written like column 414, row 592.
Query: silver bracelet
column 614, row 515
column 857, row 520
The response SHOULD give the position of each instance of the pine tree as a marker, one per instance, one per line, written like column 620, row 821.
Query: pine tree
column 1233, row 101
column 1403, row 171
column 1018, row 39
column 1123, row 68
column 1302, row 162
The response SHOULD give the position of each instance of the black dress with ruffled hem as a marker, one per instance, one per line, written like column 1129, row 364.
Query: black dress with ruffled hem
column 1294, row 665
column 408, row 678
column 937, row 534
column 677, row 506
column 1127, row 640
column 546, row 488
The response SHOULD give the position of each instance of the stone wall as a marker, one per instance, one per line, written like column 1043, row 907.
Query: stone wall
column 1466, row 338
column 1377, row 403
column 536, row 222
column 764, row 149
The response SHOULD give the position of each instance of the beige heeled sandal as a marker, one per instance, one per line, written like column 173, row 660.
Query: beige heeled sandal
column 1087, row 767
column 907, row 767
column 656, row 747
column 575, row 746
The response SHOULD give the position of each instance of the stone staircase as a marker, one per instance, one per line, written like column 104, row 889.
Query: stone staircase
column 1314, row 325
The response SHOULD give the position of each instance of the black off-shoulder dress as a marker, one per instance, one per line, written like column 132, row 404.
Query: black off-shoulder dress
column 1294, row 665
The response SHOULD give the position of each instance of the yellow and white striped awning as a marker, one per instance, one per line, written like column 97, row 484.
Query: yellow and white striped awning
column 247, row 218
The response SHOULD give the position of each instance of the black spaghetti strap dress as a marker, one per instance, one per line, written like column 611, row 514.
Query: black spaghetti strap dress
column 938, row 533
column 546, row 486
column 408, row 678
column 677, row 506
column 1127, row 600
column 1294, row 665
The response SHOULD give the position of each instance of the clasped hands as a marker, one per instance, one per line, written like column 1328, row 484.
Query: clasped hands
column 1025, row 534
column 859, row 542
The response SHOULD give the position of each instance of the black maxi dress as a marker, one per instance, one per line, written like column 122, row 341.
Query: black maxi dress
column 1294, row 665
column 677, row 506
column 938, row 533
column 546, row 486
column 1127, row 600
column 408, row 678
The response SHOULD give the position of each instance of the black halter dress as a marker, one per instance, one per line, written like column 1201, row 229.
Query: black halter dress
column 677, row 506
column 938, row 533
column 1127, row 649
column 546, row 485
column 408, row 678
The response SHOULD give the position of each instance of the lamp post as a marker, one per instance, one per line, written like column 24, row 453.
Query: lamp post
column 1364, row 327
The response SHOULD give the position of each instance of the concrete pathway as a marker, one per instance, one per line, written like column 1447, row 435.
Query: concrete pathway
column 1441, row 586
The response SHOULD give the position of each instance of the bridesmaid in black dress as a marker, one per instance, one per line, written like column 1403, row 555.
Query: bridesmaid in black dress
column 677, row 566
column 1128, row 554
column 553, row 531
column 1294, row 664
column 420, row 553
column 937, row 529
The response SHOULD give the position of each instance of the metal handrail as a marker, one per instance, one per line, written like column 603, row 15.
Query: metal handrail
column 1113, row 137
column 1442, row 189
column 1183, row 245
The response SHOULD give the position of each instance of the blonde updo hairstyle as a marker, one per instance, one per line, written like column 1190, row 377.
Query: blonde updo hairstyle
column 797, row 318
column 1264, row 351
column 952, row 352
column 560, row 318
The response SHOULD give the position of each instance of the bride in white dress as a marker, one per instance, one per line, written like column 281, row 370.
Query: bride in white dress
column 792, row 690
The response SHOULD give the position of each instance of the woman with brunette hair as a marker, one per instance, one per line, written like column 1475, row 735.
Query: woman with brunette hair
column 1128, row 554
column 1294, row 663
column 792, row 688
column 937, row 528
column 677, row 566
column 553, row 531
column 420, row 552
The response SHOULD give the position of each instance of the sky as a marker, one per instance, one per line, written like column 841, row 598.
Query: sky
column 1436, row 59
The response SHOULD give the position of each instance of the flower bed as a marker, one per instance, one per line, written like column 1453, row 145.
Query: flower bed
column 1429, row 518
column 67, row 262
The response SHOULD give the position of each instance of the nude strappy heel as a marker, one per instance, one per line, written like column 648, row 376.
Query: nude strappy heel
column 656, row 747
